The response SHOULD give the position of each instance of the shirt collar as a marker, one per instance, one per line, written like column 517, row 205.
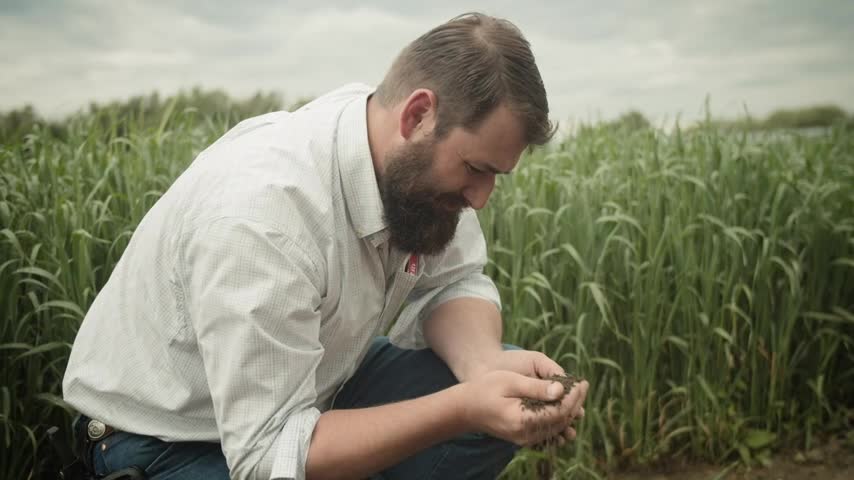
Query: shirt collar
column 358, row 179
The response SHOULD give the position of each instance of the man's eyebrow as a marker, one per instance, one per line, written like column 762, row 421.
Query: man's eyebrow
column 492, row 169
column 484, row 166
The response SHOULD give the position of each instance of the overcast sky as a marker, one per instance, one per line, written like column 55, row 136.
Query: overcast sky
column 598, row 58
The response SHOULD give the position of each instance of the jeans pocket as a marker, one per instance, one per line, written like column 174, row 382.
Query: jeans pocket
column 98, row 458
column 122, row 450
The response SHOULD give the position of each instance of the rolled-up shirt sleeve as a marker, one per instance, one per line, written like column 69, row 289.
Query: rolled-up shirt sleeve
column 457, row 272
column 253, row 296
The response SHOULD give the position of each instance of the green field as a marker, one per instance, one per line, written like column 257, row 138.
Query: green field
column 702, row 280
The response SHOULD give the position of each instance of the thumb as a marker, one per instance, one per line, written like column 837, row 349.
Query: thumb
column 554, row 391
column 535, row 388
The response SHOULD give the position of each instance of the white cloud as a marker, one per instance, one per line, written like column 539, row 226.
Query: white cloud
column 597, row 59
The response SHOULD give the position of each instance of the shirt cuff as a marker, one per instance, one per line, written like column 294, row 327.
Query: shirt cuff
column 408, row 331
column 290, row 452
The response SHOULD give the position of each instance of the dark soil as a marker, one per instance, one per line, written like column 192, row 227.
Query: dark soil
column 568, row 382
column 832, row 461
column 545, row 467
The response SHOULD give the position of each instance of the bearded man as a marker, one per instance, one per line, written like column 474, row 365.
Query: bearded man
column 241, row 334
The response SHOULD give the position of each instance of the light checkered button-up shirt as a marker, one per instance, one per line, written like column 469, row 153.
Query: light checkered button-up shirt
column 251, row 290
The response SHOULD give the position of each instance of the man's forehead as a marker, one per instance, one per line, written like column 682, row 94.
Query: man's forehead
column 498, row 139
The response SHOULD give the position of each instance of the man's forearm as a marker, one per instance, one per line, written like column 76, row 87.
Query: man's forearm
column 359, row 442
column 464, row 332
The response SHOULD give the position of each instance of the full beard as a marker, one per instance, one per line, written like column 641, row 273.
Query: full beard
column 420, row 220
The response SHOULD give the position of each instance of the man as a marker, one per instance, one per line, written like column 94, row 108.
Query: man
column 239, row 333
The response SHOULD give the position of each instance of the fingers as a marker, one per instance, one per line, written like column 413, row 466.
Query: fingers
column 573, row 403
column 546, row 367
column 569, row 408
column 544, row 390
column 546, row 423
column 585, row 388
column 551, row 422
column 569, row 433
column 558, row 439
column 542, row 437
column 547, row 420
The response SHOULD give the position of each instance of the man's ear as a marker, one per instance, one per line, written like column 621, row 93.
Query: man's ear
column 418, row 114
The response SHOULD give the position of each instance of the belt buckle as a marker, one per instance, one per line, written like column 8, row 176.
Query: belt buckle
column 96, row 430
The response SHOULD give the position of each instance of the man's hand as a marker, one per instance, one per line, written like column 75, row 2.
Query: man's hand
column 466, row 334
column 536, row 365
column 524, row 362
column 495, row 407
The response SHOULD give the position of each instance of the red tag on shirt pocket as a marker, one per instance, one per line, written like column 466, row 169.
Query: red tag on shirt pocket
column 412, row 266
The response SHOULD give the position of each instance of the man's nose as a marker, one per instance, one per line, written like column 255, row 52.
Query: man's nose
column 478, row 193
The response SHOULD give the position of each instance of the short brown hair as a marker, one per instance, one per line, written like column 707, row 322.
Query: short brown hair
column 473, row 63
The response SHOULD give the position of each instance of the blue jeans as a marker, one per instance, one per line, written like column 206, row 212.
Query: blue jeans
column 387, row 374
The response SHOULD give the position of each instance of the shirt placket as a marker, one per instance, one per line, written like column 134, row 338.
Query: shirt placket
column 403, row 281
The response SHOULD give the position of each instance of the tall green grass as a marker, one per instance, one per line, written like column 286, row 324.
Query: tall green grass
column 67, row 211
column 703, row 282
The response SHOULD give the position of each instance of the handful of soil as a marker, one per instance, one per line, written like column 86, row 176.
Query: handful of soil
column 545, row 466
column 568, row 382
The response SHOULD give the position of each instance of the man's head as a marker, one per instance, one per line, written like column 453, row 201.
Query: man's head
column 465, row 99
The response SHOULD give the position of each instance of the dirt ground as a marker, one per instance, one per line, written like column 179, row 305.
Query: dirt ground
column 833, row 461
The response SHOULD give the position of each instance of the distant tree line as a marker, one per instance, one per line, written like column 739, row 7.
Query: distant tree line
column 145, row 111
column 148, row 110
column 816, row 116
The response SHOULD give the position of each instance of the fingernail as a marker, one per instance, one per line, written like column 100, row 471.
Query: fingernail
column 555, row 390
